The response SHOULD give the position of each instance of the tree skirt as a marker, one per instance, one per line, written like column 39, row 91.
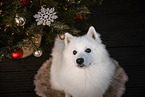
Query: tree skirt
column 43, row 87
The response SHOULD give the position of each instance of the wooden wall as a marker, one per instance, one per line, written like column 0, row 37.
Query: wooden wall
column 121, row 24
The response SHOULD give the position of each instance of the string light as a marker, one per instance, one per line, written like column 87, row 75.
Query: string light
column 0, row 11
column 44, row 5
column 36, row 42
column 12, row 33
column 7, row 25
column 1, row 3
column 5, row 30
column 45, row 24
column 65, row 8
column 27, row 34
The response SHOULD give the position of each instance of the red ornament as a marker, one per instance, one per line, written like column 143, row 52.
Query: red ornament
column 23, row 2
column 17, row 54
column 78, row 17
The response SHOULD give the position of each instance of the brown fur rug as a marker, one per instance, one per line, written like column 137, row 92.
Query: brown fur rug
column 43, row 87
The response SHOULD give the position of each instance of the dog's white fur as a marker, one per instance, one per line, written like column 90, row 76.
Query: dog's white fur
column 93, row 79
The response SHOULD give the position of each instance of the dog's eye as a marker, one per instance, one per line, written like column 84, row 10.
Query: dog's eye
column 74, row 52
column 88, row 50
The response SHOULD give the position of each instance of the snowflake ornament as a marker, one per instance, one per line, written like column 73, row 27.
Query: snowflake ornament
column 45, row 16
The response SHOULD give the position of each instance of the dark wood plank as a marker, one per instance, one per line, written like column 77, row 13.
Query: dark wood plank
column 132, row 59
column 25, row 94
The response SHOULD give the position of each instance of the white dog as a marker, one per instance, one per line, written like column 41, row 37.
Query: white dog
column 81, row 66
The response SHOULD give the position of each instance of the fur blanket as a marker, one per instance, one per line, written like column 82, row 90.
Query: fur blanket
column 43, row 87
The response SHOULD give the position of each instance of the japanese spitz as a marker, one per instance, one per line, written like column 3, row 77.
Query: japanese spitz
column 81, row 66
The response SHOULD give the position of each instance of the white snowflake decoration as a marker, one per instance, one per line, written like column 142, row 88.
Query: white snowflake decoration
column 45, row 16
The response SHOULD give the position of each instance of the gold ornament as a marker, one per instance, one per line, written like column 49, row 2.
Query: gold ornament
column 61, row 35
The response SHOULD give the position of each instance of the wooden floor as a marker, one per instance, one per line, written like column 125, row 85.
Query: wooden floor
column 121, row 24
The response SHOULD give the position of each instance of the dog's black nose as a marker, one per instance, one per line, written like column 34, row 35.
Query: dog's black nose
column 80, row 60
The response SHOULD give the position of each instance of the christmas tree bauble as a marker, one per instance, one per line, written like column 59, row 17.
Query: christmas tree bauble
column 78, row 17
column 61, row 35
column 23, row 2
column 37, row 52
column 20, row 21
column 17, row 54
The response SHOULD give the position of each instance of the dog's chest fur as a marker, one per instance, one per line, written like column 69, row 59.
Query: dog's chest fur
column 88, row 82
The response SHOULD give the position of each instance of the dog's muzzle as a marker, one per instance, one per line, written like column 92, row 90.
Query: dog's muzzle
column 80, row 62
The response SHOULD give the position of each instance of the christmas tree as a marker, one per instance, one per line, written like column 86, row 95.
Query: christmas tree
column 24, row 22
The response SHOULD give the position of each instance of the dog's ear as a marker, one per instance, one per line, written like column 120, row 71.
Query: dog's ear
column 92, row 33
column 68, row 38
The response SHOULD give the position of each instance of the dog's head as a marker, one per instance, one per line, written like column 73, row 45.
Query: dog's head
column 84, row 51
